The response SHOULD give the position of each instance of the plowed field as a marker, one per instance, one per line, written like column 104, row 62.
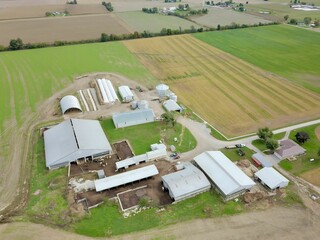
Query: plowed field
column 234, row 96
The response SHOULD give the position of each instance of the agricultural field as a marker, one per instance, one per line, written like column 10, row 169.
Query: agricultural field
column 140, row 21
column 287, row 51
column 224, row 17
column 234, row 96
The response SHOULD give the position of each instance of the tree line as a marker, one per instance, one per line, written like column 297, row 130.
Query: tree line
column 18, row 44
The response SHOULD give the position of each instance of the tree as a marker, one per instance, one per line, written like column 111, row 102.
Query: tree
column 319, row 152
column 168, row 117
column 286, row 17
column 307, row 20
column 16, row 44
column 302, row 137
column 264, row 133
column 293, row 21
column 272, row 144
column 317, row 22
column 104, row 37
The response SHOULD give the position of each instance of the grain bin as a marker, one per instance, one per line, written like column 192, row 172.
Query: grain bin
column 143, row 104
column 134, row 104
column 173, row 97
column 162, row 90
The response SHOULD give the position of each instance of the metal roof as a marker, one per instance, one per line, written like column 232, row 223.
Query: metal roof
column 186, row 182
column 125, row 92
column 74, row 139
column 264, row 162
column 171, row 105
column 162, row 87
column 126, row 177
column 271, row 177
column 289, row 148
column 223, row 172
column 131, row 118
column 69, row 102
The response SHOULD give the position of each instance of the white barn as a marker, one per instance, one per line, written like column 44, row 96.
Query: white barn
column 171, row 106
column 271, row 178
column 186, row 183
column 126, row 94
column 69, row 103
column 132, row 118
column 223, row 174
column 74, row 139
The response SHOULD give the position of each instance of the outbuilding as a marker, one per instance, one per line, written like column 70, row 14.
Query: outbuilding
column 132, row 118
column 74, row 139
column 126, row 94
column 223, row 174
column 185, row 183
column 171, row 106
column 70, row 103
column 271, row 178
column 260, row 160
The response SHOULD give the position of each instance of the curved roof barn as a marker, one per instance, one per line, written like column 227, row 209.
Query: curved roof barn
column 69, row 103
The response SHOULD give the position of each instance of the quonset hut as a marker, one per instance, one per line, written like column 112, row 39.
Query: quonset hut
column 70, row 103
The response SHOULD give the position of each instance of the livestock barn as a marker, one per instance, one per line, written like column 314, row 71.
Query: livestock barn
column 74, row 139
column 132, row 118
column 224, row 175
column 271, row 178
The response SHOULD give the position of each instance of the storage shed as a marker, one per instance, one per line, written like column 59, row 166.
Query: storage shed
column 171, row 105
column 74, row 139
column 126, row 94
column 132, row 118
column 223, row 174
column 186, row 183
column 260, row 160
column 271, row 178
column 70, row 103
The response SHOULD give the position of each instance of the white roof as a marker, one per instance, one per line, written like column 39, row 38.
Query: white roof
column 126, row 177
column 162, row 87
column 223, row 172
column 74, row 139
column 69, row 102
column 186, row 182
column 264, row 162
column 271, row 177
column 171, row 105
column 125, row 92
column 133, row 117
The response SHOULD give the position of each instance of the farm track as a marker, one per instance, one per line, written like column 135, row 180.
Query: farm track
column 232, row 95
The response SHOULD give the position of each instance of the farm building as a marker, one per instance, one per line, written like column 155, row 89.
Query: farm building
column 70, row 103
column 162, row 90
column 132, row 118
column 157, row 153
column 288, row 149
column 107, row 91
column 186, row 183
column 126, row 177
column 171, row 105
column 126, row 94
column 271, row 178
column 260, row 160
column 224, row 175
column 74, row 139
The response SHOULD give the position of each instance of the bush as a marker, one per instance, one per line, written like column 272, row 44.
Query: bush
column 108, row 6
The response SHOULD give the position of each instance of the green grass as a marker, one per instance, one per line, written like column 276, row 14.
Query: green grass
column 258, row 143
column 142, row 136
column 234, row 156
column 302, row 164
column 31, row 76
column 284, row 50
column 106, row 220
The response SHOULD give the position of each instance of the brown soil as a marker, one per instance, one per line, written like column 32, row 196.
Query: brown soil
column 312, row 176
column 123, row 150
column 318, row 132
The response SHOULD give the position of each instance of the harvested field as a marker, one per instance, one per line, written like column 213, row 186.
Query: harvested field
column 60, row 28
column 234, row 96
column 312, row 176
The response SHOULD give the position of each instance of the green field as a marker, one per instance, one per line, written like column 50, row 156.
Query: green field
column 288, row 51
column 140, row 21
column 234, row 156
column 142, row 136
column 31, row 76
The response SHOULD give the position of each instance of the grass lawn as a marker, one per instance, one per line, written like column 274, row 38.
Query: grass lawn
column 302, row 164
column 142, row 136
column 234, row 156
column 258, row 143
column 106, row 220
column 284, row 50
column 31, row 76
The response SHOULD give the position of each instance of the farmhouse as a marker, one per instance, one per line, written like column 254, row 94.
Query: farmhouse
column 271, row 178
column 186, row 183
column 126, row 177
column 171, row 105
column 126, row 94
column 70, row 103
column 74, row 139
column 260, row 160
column 288, row 149
column 132, row 118
column 224, row 175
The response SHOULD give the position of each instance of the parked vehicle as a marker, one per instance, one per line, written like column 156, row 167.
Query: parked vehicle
column 231, row 147
column 173, row 155
column 240, row 152
column 240, row 145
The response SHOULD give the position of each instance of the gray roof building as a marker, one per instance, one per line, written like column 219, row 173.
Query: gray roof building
column 132, row 118
column 289, row 148
column 171, row 105
column 69, row 103
column 126, row 94
column 261, row 160
column 186, row 183
column 74, row 139
column 271, row 178
column 224, row 175
column 126, row 177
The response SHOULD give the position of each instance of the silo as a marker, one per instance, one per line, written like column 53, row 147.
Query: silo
column 173, row 97
column 134, row 104
column 162, row 90
column 143, row 104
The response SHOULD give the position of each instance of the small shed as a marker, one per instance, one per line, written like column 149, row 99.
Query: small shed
column 260, row 160
column 101, row 174
column 126, row 94
column 271, row 178
column 171, row 105
column 70, row 103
